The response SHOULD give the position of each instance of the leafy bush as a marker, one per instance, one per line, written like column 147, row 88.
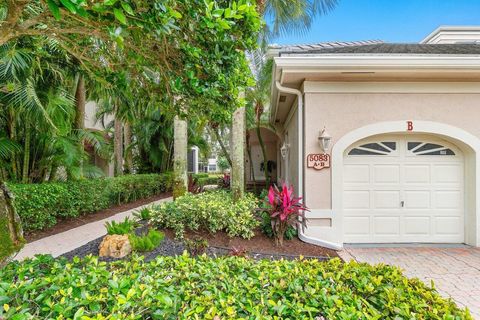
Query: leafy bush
column 201, row 175
column 224, row 181
column 266, row 227
column 40, row 205
column 223, row 288
column 284, row 211
column 196, row 246
column 193, row 185
column 266, row 220
column 146, row 242
column 124, row 227
column 213, row 211
column 203, row 179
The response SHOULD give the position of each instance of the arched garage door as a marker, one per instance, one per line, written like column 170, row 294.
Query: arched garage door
column 403, row 189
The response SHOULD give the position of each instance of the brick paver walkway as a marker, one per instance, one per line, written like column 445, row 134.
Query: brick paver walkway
column 454, row 270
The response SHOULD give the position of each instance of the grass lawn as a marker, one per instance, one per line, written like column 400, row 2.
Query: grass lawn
column 224, row 288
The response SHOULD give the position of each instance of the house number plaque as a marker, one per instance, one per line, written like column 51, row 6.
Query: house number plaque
column 318, row 161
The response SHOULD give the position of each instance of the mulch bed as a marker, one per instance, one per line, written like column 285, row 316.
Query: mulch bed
column 259, row 247
column 70, row 223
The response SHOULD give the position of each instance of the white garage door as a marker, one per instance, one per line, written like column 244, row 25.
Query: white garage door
column 403, row 189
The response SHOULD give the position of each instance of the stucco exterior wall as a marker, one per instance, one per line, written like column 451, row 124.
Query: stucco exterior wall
column 344, row 112
column 290, row 164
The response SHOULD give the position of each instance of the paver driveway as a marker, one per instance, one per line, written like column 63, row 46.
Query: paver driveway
column 455, row 270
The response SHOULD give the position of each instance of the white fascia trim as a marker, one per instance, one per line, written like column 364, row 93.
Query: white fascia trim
column 436, row 32
column 329, row 62
column 390, row 87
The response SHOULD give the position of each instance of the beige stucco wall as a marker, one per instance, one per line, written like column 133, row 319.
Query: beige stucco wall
column 344, row 112
column 290, row 164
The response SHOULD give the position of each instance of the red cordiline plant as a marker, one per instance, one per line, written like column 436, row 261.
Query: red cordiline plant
column 285, row 210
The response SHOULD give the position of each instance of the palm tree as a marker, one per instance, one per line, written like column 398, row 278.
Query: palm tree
column 285, row 17
column 294, row 16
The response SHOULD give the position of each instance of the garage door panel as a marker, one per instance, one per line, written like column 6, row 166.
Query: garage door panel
column 356, row 199
column 386, row 173
column 416, row 225
column 447, row 173
column 416, row 173
column 405, row 196
column 448, row 225
column 388, row 199
column 356, row 225
column 386, row 226
column 417, row 199
column 357, row 173
column 448, row 199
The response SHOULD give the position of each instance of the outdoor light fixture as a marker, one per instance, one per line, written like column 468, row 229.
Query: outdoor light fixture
column 284, row 150
column 324, row 140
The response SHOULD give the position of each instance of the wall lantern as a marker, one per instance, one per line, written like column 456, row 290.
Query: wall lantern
column 324, row 140
column 284, row 150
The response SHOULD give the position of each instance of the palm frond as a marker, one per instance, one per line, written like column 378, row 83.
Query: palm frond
column 8, row 148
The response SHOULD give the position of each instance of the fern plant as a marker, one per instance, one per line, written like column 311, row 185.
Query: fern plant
column 124, row 227
column 143, row 214
column 146, row 242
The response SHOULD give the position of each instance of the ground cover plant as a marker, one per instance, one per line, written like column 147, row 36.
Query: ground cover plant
column 223, row 288
column 212, row 211
column 40, row 205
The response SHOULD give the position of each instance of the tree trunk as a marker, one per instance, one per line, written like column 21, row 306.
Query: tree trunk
column 222, row 146
column 250, row 161
column 26, row 154
column 264, row 154
column 13, row 136
column 238, row 153
column 11, row 234
column 118, row 145
column 180, row 150
column 127, row 132
column 80, row 101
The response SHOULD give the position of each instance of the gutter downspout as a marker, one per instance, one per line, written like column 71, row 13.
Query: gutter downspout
column 301, row 148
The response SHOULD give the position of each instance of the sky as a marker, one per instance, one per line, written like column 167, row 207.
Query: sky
column 387, row 20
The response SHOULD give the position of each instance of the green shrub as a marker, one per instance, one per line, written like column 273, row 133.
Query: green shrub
column 200, row 175
column 196, row 246
column 222, row 288
column 266, row 227
column 207, row 181
column 40, row 205
column 124, row 227
column 146, row 242
column 213, row 211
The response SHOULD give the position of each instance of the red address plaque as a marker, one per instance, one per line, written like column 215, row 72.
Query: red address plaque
column 318, row 161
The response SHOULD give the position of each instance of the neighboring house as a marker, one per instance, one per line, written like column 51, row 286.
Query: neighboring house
column 404, row 125
column 192, row 157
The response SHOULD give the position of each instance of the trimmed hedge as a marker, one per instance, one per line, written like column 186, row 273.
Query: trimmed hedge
column 222, row 288
column 40, row 205
column 207, row 179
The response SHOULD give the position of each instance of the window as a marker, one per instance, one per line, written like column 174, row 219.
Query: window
column 429, row 149
column 374, row 149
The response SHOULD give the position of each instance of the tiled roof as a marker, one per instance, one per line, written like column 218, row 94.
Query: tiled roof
column 390, row 48
column 321, row 45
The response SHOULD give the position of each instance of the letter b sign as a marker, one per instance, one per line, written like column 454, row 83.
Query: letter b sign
column 409, row 125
